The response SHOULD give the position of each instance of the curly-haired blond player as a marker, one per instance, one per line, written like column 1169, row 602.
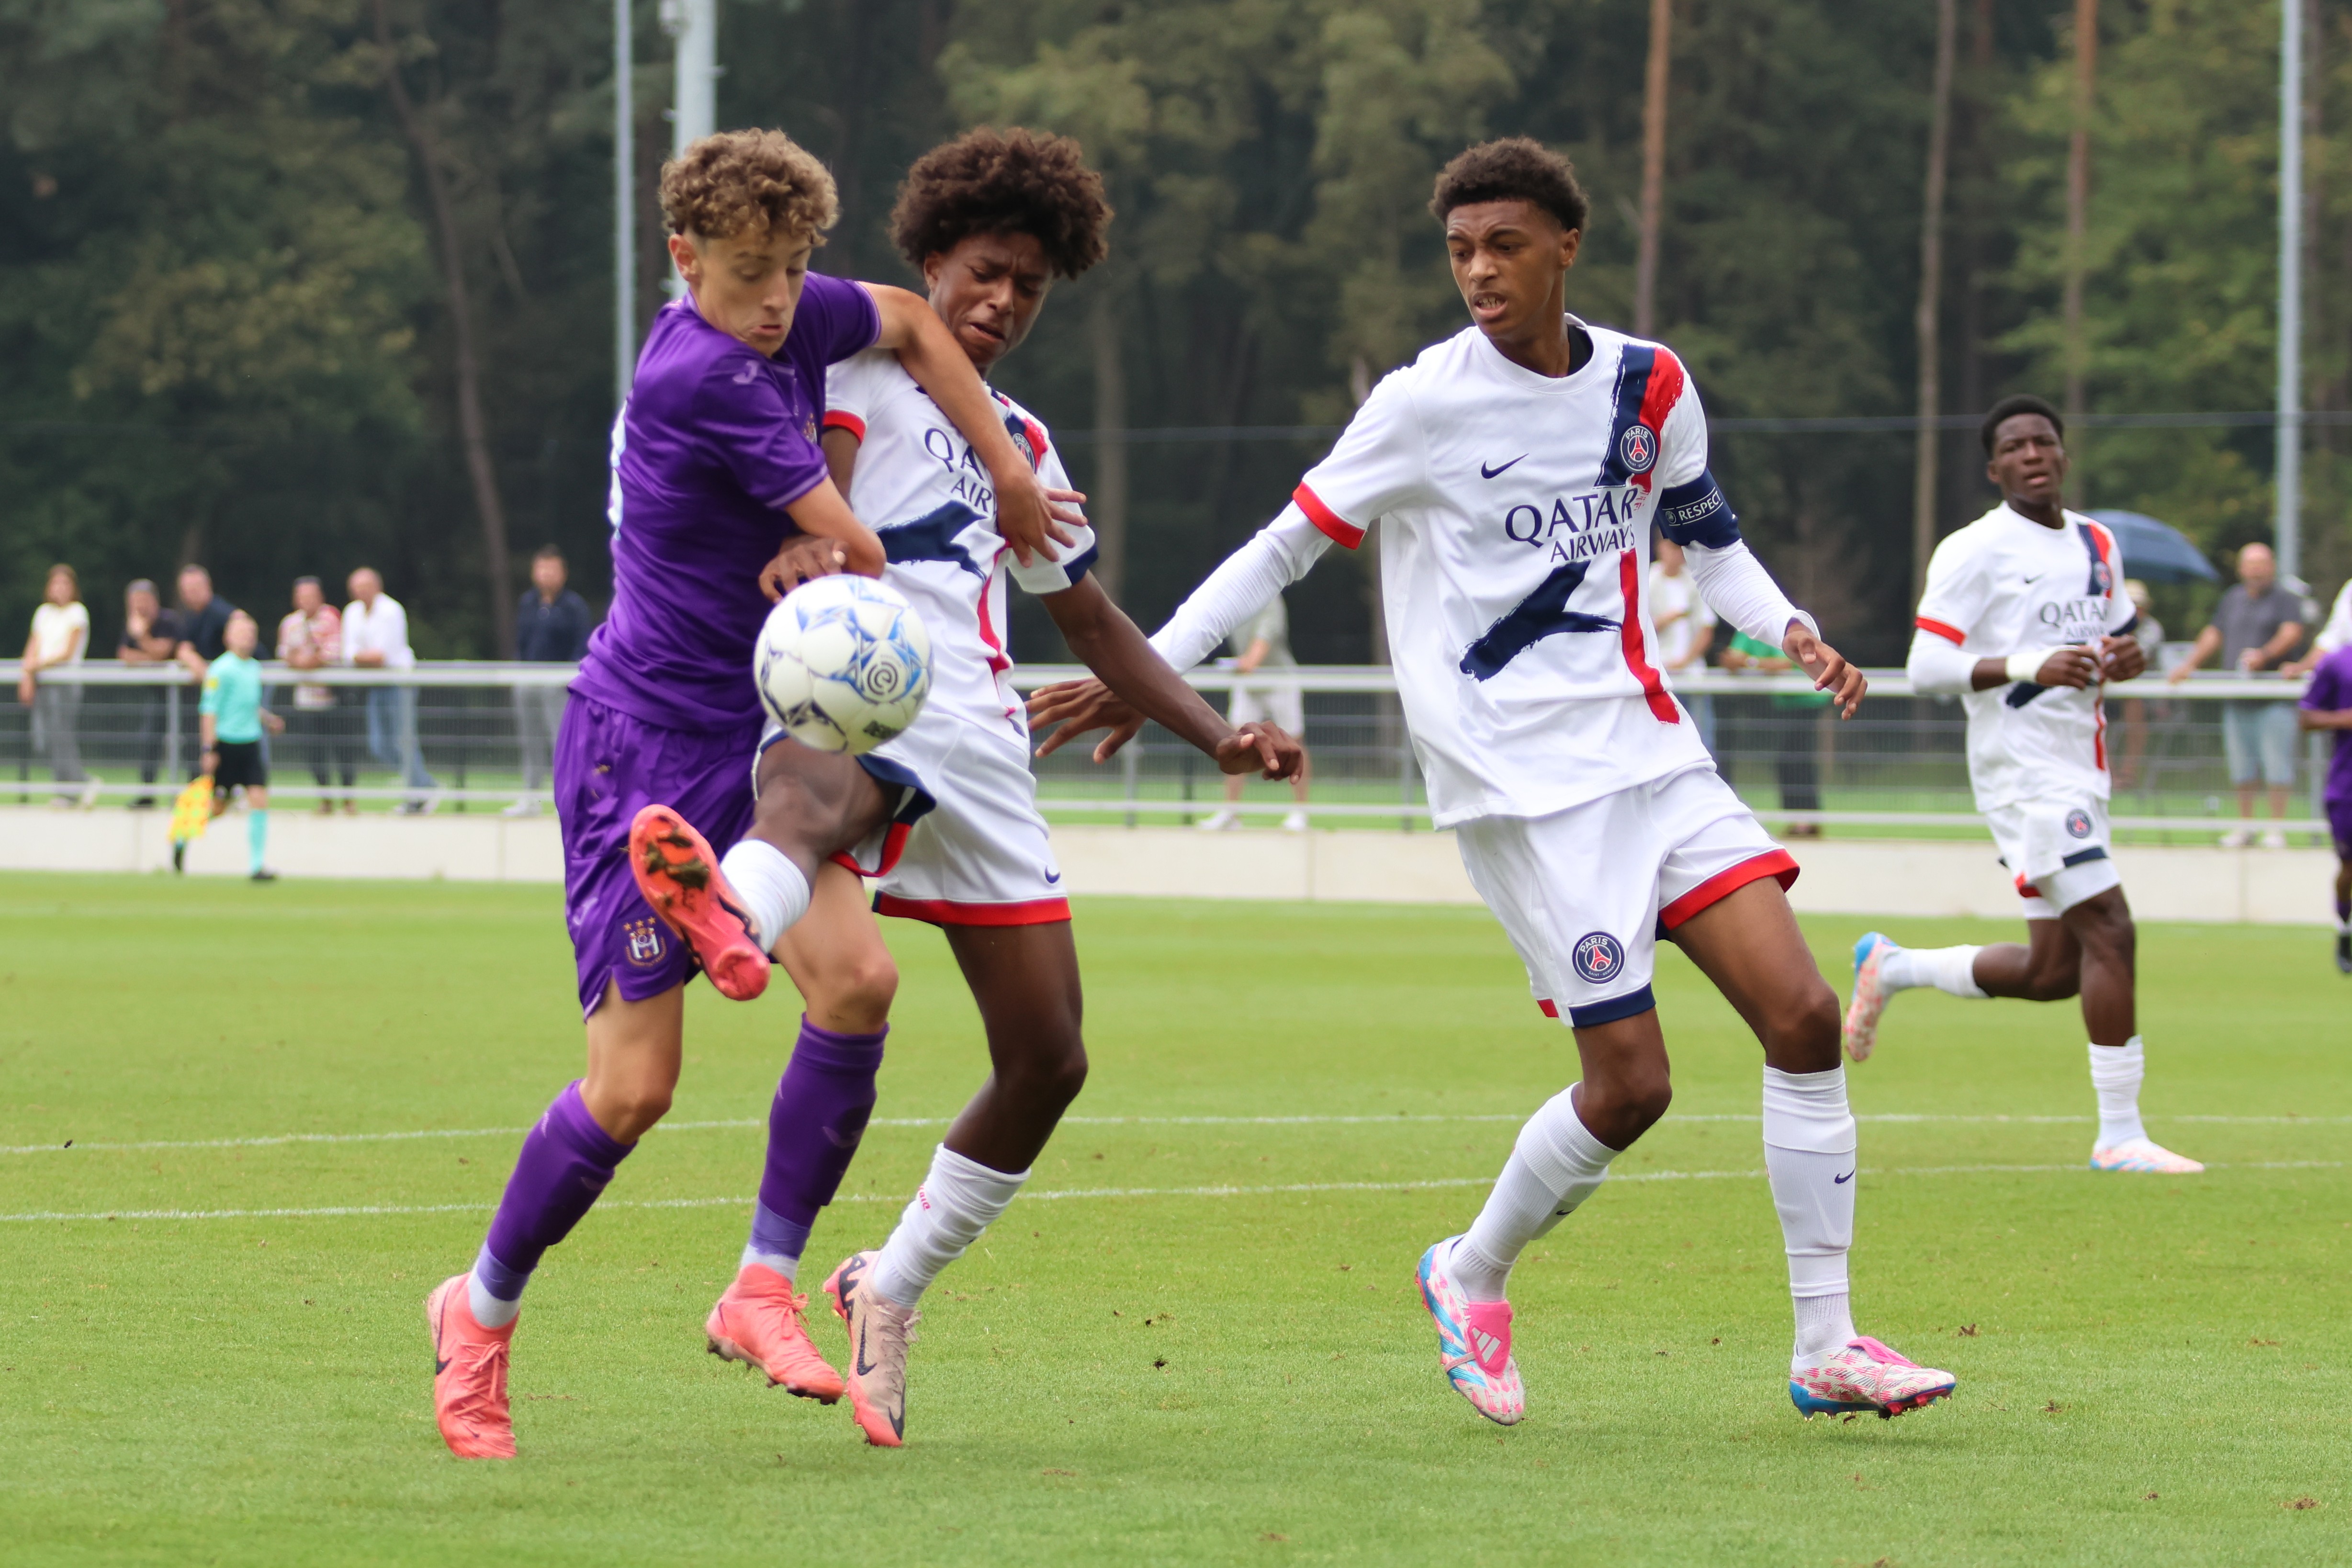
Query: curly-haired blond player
column 716, row 470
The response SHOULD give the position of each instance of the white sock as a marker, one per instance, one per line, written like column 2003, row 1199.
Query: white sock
column 1808, row 1152
column 956, row 1201
column 1554, row 1166
column 488, row 1310
column 774, row 893
column 1948, row 969
column 789, row 1267
column 2116, row 1072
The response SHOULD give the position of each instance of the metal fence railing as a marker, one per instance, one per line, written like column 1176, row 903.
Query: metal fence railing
column 481, row 732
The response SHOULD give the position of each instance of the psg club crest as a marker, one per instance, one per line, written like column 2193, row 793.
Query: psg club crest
column 2078, row 824
column 1598, row 958
column 644, row 942
column 1638, row 448
column 2103, row 578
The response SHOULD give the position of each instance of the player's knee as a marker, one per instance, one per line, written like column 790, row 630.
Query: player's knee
column 862, row 995
column 1628, row 1104
column 629, row 1110
column 1803, row 1029
column 1055, row 1069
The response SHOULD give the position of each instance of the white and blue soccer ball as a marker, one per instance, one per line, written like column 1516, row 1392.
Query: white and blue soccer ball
column 844, row 664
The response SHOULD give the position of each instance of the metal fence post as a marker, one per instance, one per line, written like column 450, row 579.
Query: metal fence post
column 1129, row 764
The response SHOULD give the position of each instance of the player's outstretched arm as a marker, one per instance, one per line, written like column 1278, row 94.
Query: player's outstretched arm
column 1832, row 673
column 1134, row 674
column 913, row 331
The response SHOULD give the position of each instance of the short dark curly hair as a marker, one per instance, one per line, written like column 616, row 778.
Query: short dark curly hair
column 1008, row 181
column 2009, row 409
column 1513, row 168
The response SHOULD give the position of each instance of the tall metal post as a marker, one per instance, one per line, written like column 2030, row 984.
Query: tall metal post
column 2288, row 521
column 694, row 114
column 624, row 200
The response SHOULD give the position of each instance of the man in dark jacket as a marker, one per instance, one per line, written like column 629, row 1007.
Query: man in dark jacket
column 551, row 626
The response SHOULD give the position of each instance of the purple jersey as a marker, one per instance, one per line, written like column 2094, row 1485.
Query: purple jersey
column 714, row 441
column 2330, row 691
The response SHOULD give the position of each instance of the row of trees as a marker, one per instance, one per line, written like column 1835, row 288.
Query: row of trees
column 288, row 285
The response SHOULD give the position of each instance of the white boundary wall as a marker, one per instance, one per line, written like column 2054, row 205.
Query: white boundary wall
column 1850, row 876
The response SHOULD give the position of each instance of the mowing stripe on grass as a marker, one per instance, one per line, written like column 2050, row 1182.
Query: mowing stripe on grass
column 341, row 1211
column 1904, row 1118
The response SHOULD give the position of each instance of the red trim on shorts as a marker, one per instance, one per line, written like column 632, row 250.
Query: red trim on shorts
column 1342, row 532
column 1548, row 1007
column 1659, row 396
column 842, row 419
column 894, row 844
column 1952, row 634
column 1778, row 863
column 949, row 913
column 1653, row 688
column 2026, row 889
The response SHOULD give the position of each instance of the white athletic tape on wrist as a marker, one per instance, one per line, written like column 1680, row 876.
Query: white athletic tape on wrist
column 2026, row 666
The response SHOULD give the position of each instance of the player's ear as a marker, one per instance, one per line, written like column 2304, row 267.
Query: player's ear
column 1570, row 239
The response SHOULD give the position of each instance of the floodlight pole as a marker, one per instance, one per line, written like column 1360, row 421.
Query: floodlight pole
column 2288, row 525
column 694, row 24
column 625, row 258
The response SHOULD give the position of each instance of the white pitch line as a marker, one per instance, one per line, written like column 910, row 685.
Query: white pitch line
column 1051, row 1195
column 1892, row 1118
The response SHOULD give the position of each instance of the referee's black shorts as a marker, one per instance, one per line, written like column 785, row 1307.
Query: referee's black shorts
column 240, row 763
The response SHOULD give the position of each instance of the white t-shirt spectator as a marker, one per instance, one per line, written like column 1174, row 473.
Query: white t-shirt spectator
column 383, row 629
column 60, row 633
column 1678, row 633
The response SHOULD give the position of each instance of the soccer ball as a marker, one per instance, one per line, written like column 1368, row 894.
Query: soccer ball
column 844, row 664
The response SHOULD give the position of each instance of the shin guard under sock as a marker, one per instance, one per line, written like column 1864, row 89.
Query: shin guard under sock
column 565, row 1164
column 1554, row 1166
column 815, row 1125
column 1809, row 1153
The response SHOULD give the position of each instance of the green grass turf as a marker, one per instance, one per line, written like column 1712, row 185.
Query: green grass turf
column 2151, row 1370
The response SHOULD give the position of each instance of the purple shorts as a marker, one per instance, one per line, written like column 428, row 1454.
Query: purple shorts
column 2340, row 823
column 608, row 766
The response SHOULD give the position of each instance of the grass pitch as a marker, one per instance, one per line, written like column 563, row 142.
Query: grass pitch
column 1197, row 1340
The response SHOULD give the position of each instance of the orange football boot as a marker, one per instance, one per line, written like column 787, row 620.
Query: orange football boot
column 469, row 1376
column 759, row 1322
column 679, row 875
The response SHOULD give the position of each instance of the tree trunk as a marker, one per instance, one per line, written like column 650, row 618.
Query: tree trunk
column 471, row 428
column 1927, row 320
column 1107, row 505
column 1654, row 166
column 2078, row 202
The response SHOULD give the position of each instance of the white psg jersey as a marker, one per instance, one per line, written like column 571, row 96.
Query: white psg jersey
column 1515, row 545
column 2006, row 585
column 919, row 486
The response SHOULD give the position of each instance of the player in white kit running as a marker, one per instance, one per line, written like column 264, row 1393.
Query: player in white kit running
column 2023, row 620
column 1518, row 468
column 990, row 219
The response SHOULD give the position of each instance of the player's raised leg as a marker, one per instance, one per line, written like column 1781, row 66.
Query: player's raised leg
column 1026, row 981
column 847, row 979
column 1750, row 945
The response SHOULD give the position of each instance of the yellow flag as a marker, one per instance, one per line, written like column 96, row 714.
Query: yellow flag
column 192, row 813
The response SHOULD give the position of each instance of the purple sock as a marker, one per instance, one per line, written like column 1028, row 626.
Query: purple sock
column 565, row 1162
column 814, row 1128
column 2343, row 912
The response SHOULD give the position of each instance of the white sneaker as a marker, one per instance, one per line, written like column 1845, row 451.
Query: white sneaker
column 1219, row 822
column 1295, row 823
column 527, row 806
column 2145, row 1155
column 2237, row 838
column 2275, row 839
column 89, row 787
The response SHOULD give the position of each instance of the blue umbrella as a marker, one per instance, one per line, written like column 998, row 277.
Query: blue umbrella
column 2157, row 552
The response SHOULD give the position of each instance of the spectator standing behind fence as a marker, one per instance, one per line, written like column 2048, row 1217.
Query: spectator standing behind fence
column 151, row 634
column 376, row 637
column 203, row 630
column 232, row 721
column 59, row 639
column 310, row 637
column 2256, row 626
column 1263, row 642
column 551, row 626
column 1685, row 629
column 1796, row 723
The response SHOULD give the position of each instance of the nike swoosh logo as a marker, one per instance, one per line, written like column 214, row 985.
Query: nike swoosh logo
column 1840, row 1181
column 2037, row 576
column 1052, row 878
column 1487, row 473
column 439, row 1366
column 865, row 1367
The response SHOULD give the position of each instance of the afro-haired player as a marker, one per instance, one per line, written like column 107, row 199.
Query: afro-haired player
column 990, row 220
column 1519, row 468
column 716, row 461
column 2023, row 621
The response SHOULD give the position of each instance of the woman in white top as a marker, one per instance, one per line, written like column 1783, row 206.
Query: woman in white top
column 60, row 638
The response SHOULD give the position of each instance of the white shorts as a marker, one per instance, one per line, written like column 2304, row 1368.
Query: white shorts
column 2056, row 852
column 1279, row 706
column 1585, row 893
column 981, row 856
